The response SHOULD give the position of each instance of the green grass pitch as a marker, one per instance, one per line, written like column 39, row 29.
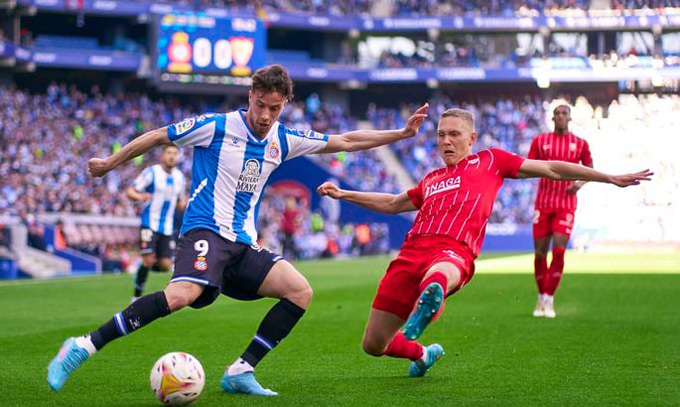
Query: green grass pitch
column 616, row 341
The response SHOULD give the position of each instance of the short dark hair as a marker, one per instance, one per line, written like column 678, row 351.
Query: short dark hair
column 166, row 146
column 566, row 106
column 273, row 78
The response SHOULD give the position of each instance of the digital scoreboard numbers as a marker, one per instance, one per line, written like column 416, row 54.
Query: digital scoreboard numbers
column 199, row 44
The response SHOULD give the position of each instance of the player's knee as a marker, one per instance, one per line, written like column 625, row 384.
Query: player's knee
column 148, row 260
column 301, row 296
column 373, row 347
column 165, row 264
column 182, row 295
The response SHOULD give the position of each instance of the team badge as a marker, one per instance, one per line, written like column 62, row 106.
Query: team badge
column 274, row 150
column 572, row 146
column 200, row 264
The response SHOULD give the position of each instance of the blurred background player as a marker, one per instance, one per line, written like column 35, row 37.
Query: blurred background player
column 234, row 155
column 555, row 206
column 161, row 189
column 437, row 259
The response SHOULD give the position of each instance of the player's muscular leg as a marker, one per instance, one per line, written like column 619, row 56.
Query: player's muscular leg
column 181, row 294
column 450, row 270
column 380, row 329
column 284, row 281
column 560, row 240
column 541, row 246
column 148, row 260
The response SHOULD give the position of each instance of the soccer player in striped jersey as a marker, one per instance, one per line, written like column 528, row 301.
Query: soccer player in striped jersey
column 161, row 189
column 555, row 206
column 234, row 154
column 437, row 259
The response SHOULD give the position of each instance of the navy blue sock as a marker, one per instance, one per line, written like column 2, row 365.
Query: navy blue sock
column 138, row 314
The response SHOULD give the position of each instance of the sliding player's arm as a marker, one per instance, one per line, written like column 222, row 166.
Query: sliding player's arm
column 564, row 171
column 379, row 202
column 98, row 167
column 365, row 139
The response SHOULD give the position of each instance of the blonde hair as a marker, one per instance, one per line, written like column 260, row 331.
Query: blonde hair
column 463, row 114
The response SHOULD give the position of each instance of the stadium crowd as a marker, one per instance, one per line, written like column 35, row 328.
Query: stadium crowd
column 418, row 8
column 46, row 139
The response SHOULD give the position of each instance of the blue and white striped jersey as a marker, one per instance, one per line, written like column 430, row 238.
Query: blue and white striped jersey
column 231, row 167
column 159, row 212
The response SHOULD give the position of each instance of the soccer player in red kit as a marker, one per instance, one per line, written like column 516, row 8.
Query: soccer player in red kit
column 555, row 206
column 437, row 259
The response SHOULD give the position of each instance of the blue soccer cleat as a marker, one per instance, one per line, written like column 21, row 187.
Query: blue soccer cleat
column 418, row 368
column 70, row 356
column 429, row 303
column 244, row 383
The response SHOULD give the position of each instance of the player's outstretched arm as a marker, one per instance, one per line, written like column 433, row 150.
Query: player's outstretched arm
column 98, row 167
column 379, row 202
column 365, row 139
column 564, row 171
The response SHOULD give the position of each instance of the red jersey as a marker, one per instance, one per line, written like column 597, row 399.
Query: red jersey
column 558, row 147
column 456, row 201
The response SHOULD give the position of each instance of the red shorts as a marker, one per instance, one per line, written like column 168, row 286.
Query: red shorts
column 399, row 289
column 550, row 221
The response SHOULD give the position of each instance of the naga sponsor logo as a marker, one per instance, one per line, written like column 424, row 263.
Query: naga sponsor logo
column 441, row 186
column 250, row 177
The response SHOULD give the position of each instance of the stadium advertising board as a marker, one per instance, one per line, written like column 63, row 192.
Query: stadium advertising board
column 200, row 44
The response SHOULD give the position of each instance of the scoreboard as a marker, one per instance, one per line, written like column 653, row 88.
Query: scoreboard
column 193, row 45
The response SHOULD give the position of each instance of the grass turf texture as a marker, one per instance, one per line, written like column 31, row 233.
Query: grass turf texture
column 615, row 341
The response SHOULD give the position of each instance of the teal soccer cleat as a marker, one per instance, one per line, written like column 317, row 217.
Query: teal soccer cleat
column 244, row 383
column 70, row 356
column 418, row 368
column 429, row 303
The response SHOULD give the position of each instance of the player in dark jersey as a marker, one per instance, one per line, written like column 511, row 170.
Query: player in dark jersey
column 437, row 259
column 555, row 206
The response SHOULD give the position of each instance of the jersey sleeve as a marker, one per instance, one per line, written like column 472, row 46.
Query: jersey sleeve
column 533, row 150
column 197, row 131
column 506, row 162
column 143, row 180
column 586, row 158
column 301, row 142
column 416, row 194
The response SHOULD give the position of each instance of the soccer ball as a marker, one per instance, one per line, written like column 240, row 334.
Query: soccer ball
column 177, row 379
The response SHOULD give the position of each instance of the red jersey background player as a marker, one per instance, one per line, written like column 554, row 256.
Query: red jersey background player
column 555, row 206
column 437, row 259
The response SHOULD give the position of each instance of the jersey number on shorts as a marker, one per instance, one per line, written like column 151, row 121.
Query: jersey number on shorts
column 201, row 247
column 147, row 235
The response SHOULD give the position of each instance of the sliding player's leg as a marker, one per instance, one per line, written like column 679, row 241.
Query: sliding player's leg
column 442, row 278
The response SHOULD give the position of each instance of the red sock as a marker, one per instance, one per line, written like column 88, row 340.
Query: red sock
column 400, row 347
column 541, row 273
column 439, row 278
column 556, row 269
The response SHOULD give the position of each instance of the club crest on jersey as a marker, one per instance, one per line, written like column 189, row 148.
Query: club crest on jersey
column 250, row 176
column 185, row 125
column 200, row 264
column 274, row 150
column 572, row 146
column 441, row 186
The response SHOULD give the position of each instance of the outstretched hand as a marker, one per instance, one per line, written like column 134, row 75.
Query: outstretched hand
column 627, row 180
column 417, row 118
column 329, row 189
column 98, row 167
